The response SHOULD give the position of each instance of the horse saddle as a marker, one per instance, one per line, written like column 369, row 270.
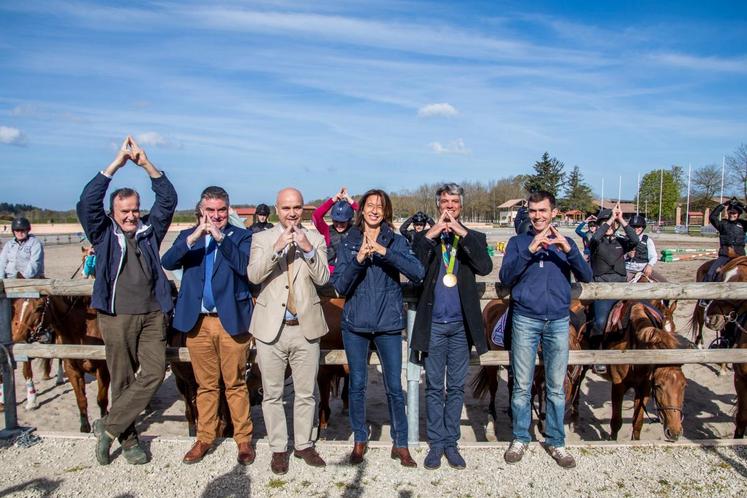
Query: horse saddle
column 500, row 330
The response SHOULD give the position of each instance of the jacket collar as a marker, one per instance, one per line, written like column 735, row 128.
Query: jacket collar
column 385, row 238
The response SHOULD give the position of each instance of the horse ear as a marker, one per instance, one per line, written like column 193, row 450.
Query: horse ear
column 672, row 307
column 83, row 249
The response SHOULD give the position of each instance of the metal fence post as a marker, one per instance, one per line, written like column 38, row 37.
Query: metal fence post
column 413, row 386
column 8, row 368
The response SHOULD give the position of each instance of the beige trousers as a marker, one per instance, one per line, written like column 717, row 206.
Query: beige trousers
column 289, row 348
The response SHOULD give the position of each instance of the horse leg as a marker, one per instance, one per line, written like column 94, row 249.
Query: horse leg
column 345, row 396
column 60, row 373
column 641, row 398
column 102, row 396
column 325, row 386
column 618, row 391
column 77, row 380
column 740, row 384
column 31, row 402
column 46, row 368
column 492, row 373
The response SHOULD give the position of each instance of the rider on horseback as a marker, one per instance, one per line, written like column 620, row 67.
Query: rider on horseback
column 418, row 222
column 260, row 219
column 607, row 252
column 730, row 234
column 23, row 255
column 643, row 258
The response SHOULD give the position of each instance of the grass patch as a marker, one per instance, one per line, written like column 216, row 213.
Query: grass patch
column 276, row 483
column 305, row 484
column 340, row 484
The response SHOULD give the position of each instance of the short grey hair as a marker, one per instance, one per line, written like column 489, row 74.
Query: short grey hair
column 451, row 189
column 214, row 192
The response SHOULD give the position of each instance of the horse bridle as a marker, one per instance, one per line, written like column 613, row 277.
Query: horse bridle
column 41, row 334
column 659, row 407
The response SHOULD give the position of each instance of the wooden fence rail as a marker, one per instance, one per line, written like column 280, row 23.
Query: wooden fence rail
column 22, row 352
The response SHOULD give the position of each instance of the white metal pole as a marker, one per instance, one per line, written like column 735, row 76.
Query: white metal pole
column 638, row 194
column 661, row 191
column 602, row 206
column 723, row 163
column 687, row 212
column 619, row 188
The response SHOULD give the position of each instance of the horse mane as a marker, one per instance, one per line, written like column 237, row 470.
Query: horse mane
column 646, row 334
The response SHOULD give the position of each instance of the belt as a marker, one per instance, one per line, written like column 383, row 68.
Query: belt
column 209, row 314
column 291, row 322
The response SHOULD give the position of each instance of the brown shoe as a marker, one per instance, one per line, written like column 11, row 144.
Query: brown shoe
column 197, row 452
column 246, row 453
column 359, row 449
column 279, row 463
column 310, row 456
column 403, row 455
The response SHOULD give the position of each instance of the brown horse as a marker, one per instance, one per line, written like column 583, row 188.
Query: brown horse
column 641, row 327
column 329, row 376
column 73, row 322
column 740, row 379
column 486, row 380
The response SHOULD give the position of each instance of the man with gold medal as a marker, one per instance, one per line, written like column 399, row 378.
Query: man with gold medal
column 449, row 320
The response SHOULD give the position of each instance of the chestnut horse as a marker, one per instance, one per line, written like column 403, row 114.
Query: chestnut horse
column 486, row 380
column 73, row 322
column 641, row 327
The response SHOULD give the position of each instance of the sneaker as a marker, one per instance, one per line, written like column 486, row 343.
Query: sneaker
column 103, row 442
column 561, row 456
column 454, row 458
column 515, row 452
column 433, row 458
column 134, row 453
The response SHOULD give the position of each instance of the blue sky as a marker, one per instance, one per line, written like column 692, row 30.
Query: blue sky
column 259, row 95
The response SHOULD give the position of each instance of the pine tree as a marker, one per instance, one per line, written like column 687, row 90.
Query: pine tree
column 577, row 193
column 548, row 176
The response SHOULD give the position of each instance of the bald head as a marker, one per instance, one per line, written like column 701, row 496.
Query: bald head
column 289, row 206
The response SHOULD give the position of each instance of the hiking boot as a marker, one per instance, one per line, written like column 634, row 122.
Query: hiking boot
column 134, row 453
column 455, row 458
column 433, row 458
column 561, row 456
column 104, row 442
column 515, row 452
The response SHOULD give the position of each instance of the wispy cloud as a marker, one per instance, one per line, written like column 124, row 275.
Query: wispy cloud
column 11, row 136
column 704, row 64
column 24, row 110
column 434, row 110
column 456, row 147
column 152, row 139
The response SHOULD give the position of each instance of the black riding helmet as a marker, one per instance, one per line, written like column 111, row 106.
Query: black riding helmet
column 419, row 218
column 603, row 215
column 637, row 221
column 20, row 223
column 735, row 205
column 262, row 210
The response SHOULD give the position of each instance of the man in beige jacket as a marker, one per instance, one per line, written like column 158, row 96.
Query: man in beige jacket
column 287, row 261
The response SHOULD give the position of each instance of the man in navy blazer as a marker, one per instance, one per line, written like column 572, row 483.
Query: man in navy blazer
column 214, row 308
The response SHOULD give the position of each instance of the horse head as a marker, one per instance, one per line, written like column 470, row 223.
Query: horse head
column 31, row 321
column 668, row 386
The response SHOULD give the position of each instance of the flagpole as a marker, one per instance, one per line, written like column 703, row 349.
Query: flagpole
column 723, row 163
column 638, row 194
column 687, row 213
column 602, row 206
column 619, row 189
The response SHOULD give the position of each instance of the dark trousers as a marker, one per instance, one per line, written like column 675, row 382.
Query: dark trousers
column 389, row 348
column 132, row 343
column 447, row 359
column 602, row 308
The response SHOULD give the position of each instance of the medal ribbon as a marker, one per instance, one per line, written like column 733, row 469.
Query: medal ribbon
column 449, row 257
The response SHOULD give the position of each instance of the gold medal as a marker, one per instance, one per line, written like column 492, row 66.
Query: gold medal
column 450, row 280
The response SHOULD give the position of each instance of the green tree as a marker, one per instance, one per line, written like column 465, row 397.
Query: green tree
column 548, row 176
column 649, row 193
column 577, row 193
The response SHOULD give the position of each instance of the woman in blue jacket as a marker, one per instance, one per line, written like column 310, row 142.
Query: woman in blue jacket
column 369, row 263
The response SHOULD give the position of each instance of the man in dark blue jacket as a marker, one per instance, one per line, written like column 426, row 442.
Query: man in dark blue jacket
column 214, row 309
column 130, row 293
column 538, row 265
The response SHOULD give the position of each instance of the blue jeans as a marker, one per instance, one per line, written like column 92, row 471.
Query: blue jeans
column 389, row 348
column 448, row 357
column 527, row 333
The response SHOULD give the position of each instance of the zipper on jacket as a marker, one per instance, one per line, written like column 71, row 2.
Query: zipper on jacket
column 123, row 247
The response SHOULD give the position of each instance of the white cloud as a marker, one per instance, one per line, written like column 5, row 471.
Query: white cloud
column 442, row 109
column 705, row 64
column 453, row 147
column 11, row 136
column 152, row 139
column 23, row 110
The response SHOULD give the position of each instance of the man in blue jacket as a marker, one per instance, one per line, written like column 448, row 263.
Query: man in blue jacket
column 214, row 309
column 537, row 265
column 130, row 293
